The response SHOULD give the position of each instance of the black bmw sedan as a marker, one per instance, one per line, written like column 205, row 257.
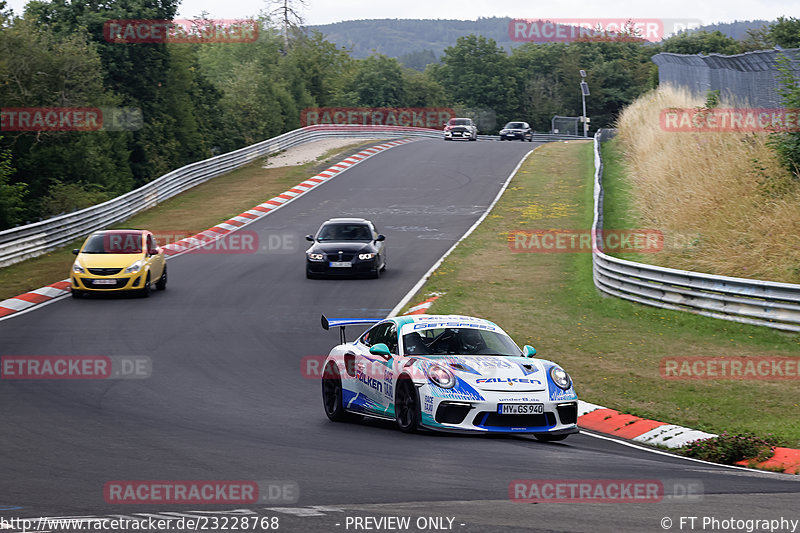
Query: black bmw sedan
column 346, row 246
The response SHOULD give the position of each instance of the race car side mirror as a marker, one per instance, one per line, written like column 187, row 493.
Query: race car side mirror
column 380, row 349
column 76, row 251
column 381, row 238
column 528, row 350
column 310, row 238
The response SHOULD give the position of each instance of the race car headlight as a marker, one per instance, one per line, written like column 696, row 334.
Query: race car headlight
column 316, row 257
column 560, row 377
column 76, row 267
column 135, row 267
column 364, row 257
column 441, row 377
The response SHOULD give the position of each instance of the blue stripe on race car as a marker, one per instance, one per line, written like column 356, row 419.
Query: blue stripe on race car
column 460, row 391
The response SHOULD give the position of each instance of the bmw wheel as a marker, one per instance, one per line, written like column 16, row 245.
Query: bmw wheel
column 406, row 405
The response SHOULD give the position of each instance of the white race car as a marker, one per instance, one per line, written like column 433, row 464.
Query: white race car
column 448, row 373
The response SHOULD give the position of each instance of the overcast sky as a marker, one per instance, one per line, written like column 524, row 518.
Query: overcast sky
column 327, row 11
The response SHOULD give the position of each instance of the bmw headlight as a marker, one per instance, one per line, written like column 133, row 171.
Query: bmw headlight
column 364, row 257
column 441, row 377
column 316, row 257
column 76, row 267
column 560, row 377
column 135, row 267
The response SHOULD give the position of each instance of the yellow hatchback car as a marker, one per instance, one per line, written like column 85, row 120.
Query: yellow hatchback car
column 118, row 260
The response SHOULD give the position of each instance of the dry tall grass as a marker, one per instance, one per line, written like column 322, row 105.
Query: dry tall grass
column 723, row 201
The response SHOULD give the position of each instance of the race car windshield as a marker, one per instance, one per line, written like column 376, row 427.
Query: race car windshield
column 459, row 122
column 515, row 126
column 458, row 341
column 114, row 243
column 345, row 232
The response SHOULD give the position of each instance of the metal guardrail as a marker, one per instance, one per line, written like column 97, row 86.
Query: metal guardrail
column 23, row 242
column 762, row 303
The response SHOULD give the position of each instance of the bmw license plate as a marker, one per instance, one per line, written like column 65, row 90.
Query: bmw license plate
column 340, row 264
column 520, row 409
column 104, row 282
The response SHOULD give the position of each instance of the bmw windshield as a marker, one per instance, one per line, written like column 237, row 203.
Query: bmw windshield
column 458, row 341
column 344, row 232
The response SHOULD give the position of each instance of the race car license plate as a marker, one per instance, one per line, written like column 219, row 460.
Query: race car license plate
column 456, row 134
column 104, row 282
column 520, row 408
column 340, row 264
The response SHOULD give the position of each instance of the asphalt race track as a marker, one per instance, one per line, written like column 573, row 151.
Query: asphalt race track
column 227, row 400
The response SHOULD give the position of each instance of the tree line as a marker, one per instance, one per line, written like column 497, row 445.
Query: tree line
column 201, row 99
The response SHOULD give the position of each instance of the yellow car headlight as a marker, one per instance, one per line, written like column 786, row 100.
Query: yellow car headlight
column 135, row 267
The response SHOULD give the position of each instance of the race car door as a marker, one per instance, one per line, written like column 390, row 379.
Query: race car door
column 374, row 372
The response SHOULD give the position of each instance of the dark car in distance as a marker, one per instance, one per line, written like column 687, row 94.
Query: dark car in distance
column 517, row 130
column 346, row 247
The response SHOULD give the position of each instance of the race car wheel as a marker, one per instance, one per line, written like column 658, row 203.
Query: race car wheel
column 76, row 293
column 550, row 438
column 406, row 405
column 332, row 394
column 161, row 284
column 145, row 292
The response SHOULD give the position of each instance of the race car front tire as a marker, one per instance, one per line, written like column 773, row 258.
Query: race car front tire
column 332, row 395
column 406, row 405
column 544, row 437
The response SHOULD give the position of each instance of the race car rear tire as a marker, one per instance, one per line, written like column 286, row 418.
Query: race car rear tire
column 406, row 406
column 332, row 394
column 550, row 438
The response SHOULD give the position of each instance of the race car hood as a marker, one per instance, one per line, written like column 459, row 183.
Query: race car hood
column 350, row 247
column 108, row 260
column 496, row 373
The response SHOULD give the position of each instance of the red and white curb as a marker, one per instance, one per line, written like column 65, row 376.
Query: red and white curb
column 25, row 302
column 423, row 307
column 35, row 297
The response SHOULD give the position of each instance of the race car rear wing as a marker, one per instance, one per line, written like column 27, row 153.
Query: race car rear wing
column 327, row 323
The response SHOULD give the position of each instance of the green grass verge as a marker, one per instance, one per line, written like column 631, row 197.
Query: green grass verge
column 611, row 347
column 195, row 210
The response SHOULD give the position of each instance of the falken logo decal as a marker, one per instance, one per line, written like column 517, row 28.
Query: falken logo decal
column 510, row 381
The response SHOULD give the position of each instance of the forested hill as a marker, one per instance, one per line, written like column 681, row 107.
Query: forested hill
column 397, row 37
column 417, row 42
